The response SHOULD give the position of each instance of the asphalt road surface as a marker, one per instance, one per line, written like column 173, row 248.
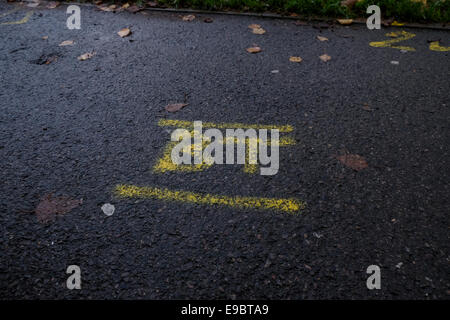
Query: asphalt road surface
column 81, row 129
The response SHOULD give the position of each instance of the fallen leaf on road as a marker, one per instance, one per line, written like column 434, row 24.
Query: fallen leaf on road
column 105, row 8
column 134, row 9
column 345, row 22
column 49, row 207
column 397, row 24
column 152, row 4
column 325, row 58
column 45, row 59
column 300, row 23
column 295, row 59
column 366, row 107
column 175, row 107
column 188, row 17
column 125, row 32
column 395, row 62
column 44, row 37
column 322, row 38
column 86, row 56
column 254, row 49
column 126, row 5
column 53, row 4
column 254, row 26
column 208, row 20
column 98, row 2
column 66, row 43
column 258, row 31
column 354, row 161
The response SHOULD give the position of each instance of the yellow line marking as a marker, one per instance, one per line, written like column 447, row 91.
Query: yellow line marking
column 23, row 20
column 190, row 124
column 9, row 12
column 165, row 162
column 399, row 36
column 237, row 202
column 436, row 47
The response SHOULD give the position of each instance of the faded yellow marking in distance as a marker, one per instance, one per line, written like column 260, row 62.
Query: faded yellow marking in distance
column 238, row 202
column 23, row 20
column 399, row 36
column 436, row 47
column 190, row 124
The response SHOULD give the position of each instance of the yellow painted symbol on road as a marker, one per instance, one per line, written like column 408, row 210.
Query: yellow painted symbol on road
column 398, row 37
column 236, row 202
column 165, row 163
column 287, row 205
column 21, row 21
column 434, row 46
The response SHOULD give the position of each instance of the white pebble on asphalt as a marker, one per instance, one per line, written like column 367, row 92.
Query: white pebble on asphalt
column 108, row 209
column 395, row 62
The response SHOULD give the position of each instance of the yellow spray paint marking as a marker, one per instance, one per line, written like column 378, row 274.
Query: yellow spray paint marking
column 236, row 202
column 399, row 36
column 190, row 124
column 23, row 20
column 436, row 47
column 165, row 163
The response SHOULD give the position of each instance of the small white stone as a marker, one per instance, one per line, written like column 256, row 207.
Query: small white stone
column 275, row 71
column 108, row 209
column 399, row 265
column 395, row 62
column 403, row 51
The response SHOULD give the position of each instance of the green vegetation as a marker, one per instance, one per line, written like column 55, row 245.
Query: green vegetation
column 403, row 10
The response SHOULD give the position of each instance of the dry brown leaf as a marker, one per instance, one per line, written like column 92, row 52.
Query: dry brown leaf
column 354, row 161
column 126, row 5
column 134, row 9
column 51, row 59
column 98, row 2
column 66, row 43
column 300, row 23
column 366, row 107
column 188, row 17
column 254, row 26
column 258, row 31
column 125, row 32
column 86, row 56
column 295, row 59
column 152, row 4
column 53, row 4
column 345, row 22
column 44, row 37
column 208, row 20
column 49, row 207
column 113, row 7
column 254, row 49
column 105, row 8
column 322, row 38
column 175, row 107
column 325, row 58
